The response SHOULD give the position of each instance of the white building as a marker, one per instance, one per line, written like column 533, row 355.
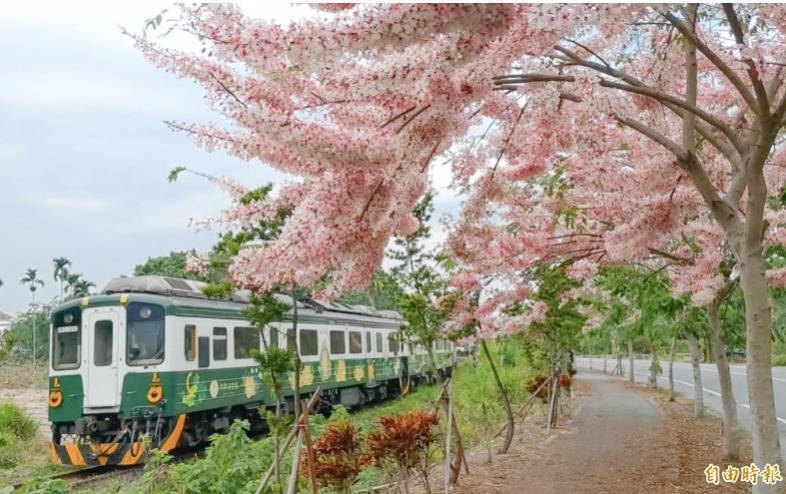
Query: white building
column 5, row 321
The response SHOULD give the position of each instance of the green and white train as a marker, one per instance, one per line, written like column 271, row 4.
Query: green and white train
column 152, row 355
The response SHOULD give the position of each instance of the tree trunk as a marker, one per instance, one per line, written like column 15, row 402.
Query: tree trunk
column 731, row 426
column 455, row 467
column 695, row 360
column 654, row 366
column 619, row 361
column 671, row 368
column 630, row 360
column 297, row 355
column 504, row 394
column 758, row 319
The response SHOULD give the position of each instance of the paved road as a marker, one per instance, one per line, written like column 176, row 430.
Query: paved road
column 683, row 383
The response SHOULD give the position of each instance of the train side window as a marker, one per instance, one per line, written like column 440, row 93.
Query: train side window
column 190, row 342
column 219, row 343
column 308, row 342
column 393, row 343
column 273, row 340
column 245, row 340
column 355, row 342
column 291, row 342
column 368, row 342
column 204, row 351
column 379, row 342
column 337, row 343
column 102, row 353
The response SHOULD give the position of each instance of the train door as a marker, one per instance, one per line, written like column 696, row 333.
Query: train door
column 102, row 329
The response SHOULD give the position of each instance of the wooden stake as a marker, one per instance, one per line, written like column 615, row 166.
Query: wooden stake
column 447, row 439
column 309, row 406
column 310, row 453
column 292, row 487
column 551, row 407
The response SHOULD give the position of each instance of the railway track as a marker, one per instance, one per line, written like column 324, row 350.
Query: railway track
column 87, row 476
column 84, row 477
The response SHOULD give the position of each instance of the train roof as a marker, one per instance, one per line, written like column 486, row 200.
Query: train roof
column 187, row 292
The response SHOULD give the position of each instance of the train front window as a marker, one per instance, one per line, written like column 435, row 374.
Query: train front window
column 66, row 354
column 144, row 334
column 66, row 340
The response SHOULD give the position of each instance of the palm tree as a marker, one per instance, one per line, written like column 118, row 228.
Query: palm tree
column 61, row 271
column 82, row 288
column 33, row 283
column 71, row 280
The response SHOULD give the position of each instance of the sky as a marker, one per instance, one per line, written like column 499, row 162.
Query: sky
column 84, row 153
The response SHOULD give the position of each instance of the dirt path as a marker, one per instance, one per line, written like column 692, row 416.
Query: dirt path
column 623, row 438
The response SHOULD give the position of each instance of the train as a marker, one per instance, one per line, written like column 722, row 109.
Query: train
column 151, row 362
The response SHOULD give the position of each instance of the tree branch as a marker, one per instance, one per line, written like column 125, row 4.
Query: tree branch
column 398, row 115
column 725, row 214
column 727, row 71
column 229, row 91
column 726, row 147
column 721, row 143
column 412, row 117
column 689, row 106
column 505, row 145
column 691, row 82
column 663, row 253
column 654, row 135
column 753, row 74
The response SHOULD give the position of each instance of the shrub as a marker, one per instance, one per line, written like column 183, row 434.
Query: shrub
column 536, row 383
column 13, row 420
column 10, row 450
column 404, row 441
column 338, row 456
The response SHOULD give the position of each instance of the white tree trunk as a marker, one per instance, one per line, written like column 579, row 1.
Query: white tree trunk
column 630, row 360
column 764, row 430
column 698, row 390
column 731, row 426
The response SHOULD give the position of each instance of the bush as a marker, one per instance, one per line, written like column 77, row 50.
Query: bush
column 779, row 359
column 14, row 421
column 404, row 442
column 338, row 456
column 10, row 450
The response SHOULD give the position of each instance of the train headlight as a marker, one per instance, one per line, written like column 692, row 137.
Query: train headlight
column 145, row 312
column 68, row 318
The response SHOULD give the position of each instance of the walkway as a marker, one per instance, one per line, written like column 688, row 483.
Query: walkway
column 620, row 440
column 609, row 445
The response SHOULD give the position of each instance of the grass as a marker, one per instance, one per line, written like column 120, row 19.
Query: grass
column 22, row 452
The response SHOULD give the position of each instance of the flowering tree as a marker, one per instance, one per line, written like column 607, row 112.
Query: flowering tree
column 654, row 114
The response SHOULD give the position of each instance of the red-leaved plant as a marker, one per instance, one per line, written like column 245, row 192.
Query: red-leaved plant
column 403, row 443
column 338, row 456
